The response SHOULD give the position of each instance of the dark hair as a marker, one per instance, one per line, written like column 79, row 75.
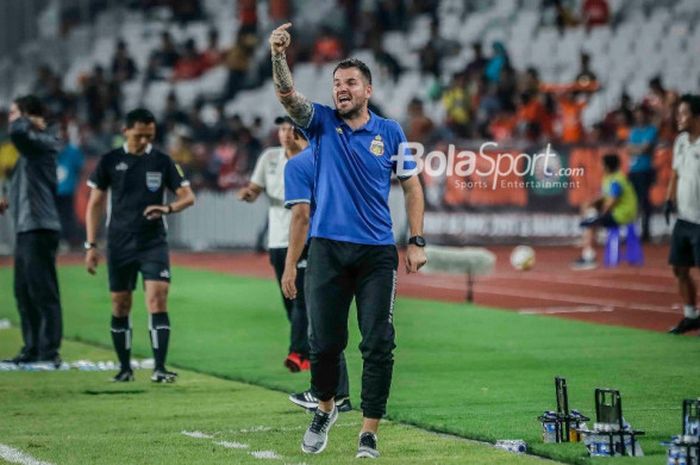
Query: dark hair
column 30, row 105
column 139, row 115
column 611, row 162
column 355, row 63
column 693, row 102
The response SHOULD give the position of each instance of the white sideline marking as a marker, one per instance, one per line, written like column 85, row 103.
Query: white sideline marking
column 265, row 454
column 232, row 445
column 562, row 310
column 13, row 455
column 256, row 429
column 197, row 434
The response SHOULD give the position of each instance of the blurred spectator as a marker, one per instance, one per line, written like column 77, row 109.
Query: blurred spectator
column 190, row 65
column 167, row 55
column 239, row 60
column 560, row 12
column 435, row 50
column 101, row 97
column 280, row 11
column 457, row 106
column 586, row 78
column 186, row 10
column 180, row 147
column 570, row 123
column 172, row 113
column 533, row 118
column 489, row 105
column 8, row 153
column 44, row 74
column 388, row 64
column 69, row 167
column 213, row 55
column 391, row 14
column 641, row 144
column 225, row 163
column 476, row 67
column 123, row 66
column 663, row 103
column 419, row 127
column 595, row 13
column 327, row 47
column 57, row 102
column 248, row 16
column 497, row 63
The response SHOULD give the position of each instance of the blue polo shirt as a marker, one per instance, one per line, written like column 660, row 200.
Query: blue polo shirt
column 299, row 178
column 642, row 135
column 353, row 176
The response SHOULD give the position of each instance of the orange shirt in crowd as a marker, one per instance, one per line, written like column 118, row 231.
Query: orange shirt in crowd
column 570, row 119
column 535, row 112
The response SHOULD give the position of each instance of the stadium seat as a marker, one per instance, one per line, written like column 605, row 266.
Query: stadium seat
column 634, row 254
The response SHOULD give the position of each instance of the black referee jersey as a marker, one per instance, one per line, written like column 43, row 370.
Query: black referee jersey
column 135, row 182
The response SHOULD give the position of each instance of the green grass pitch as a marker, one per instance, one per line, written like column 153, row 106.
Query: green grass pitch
column 477, row 373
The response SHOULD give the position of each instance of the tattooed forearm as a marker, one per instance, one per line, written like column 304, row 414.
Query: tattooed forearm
column 298, row 107
column 281, row 75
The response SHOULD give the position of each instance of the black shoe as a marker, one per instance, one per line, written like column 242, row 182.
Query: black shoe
column 310, row 402
column 21, row 358
column 685, row 325
column 163, row 376
column 367, row 447
column 124, row 376
column 582, row 264
column 304, row 400
column 343, row 404
column 55, row 361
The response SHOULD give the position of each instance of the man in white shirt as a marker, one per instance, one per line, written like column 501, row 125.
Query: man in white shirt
column 684, row 194
column 268, row 176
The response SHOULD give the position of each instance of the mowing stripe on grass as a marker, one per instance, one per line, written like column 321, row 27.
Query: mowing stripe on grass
column 13, row 455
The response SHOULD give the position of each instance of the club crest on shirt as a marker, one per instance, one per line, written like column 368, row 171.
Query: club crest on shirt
column 153, row 180
column 122, row 167
column 377, row 146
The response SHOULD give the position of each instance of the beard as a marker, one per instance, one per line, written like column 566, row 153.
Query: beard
column 353, row 111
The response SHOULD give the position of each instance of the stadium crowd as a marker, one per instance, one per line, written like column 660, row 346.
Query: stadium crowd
column 488, row 99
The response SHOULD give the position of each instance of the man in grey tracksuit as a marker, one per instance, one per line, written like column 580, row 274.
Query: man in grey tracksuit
column 33, row 205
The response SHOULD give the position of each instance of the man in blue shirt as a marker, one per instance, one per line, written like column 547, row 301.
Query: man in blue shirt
column 641, row 143
column 352, row 251
column 298, row 194
column 70, row 164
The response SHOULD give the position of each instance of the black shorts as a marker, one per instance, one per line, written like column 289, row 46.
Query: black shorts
column 130, row 253
column 605, row 220
column 685, row 244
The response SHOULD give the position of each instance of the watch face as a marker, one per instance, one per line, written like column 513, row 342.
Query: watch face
column 419, row 241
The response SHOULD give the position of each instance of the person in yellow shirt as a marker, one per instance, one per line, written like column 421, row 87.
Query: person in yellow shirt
column 616, row 207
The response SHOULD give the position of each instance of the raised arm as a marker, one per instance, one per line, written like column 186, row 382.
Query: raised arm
column 298, row 107
column 27, row 133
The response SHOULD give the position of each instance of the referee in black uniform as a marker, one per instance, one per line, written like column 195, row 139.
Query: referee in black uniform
column 33, row 205
column 136, row 176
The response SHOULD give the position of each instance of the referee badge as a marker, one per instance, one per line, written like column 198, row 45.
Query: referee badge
column 153, row 180
column 377, row 146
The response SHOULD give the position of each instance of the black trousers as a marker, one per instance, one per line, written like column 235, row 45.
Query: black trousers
column 296, row 309
column 69, row 223
column 337, row 272
column 36, row 292
column 642, row 182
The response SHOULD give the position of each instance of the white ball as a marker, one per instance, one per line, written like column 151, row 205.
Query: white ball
column 522, row 258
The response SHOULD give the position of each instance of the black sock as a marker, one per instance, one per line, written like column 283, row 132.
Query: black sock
column 159, row 329
column 121, row 338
